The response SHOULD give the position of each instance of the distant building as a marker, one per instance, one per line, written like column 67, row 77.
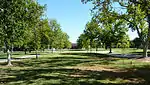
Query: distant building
column 74, row 46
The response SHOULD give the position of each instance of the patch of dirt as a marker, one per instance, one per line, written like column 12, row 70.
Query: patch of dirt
column 130, row 76
column 136, row 80
column 144, row 59
column 97, row 68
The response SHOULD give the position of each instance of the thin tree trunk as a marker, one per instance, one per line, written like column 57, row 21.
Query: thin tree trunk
column 48, row 47
column 145, row 51
column 52, row 50
column 8, row 58
column 110, row 49
column 5, row 48
column 25, row 51
column 96, row 49
column 90, row 45
column 36, row 54
column 12, row 47
column 148, row 38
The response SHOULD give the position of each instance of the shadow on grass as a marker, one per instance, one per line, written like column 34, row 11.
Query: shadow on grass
column 3, row 56
column 63, row 76
column 53, row 71
column 98, row 55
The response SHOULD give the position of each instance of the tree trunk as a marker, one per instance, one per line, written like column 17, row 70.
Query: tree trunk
column 36, row 54
column 8, row 58
column 29, row 50
column 25, row 51
column 48, row 47
column 110, row 49
column 96, row 49
column 52, row 50
column 5, row 48
column 148, row 38
column 12, row 47
column 145, row 47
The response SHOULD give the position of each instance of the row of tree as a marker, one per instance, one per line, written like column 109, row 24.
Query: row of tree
column 47, row 35
column 134, row 12
column 22, row 25
column 108, row 35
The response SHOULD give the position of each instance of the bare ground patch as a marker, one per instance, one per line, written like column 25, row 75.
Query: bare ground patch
column 144, row 59
column 108, row 73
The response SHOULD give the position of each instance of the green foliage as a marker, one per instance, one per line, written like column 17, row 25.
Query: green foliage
column 16, row 16
column 58, row 39
column 83, row 42
column 137, row 43
column 135, row 12
column 105, row 29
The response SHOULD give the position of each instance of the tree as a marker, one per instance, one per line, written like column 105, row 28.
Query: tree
column 44, row 31
column 124, row 42
column 128, row 5
column 113, row 29
column 54, row 26
column 67, row 43
column 83, row 42
column 58, row 38
column 92, row 31
column 16, row 15
column 137, row 43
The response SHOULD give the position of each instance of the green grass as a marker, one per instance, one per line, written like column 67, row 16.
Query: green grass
column 75, row 68
column 125, row 51
column 15, row 54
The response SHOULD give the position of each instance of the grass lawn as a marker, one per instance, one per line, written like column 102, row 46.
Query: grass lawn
column 125, row 51
column 15, row 54
column 76, row 68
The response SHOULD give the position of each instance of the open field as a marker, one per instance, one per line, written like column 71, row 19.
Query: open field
column 76, row 68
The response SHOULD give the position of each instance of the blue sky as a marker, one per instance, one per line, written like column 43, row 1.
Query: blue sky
column 72, row 15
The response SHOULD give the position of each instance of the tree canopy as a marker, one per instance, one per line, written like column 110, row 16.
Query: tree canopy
column 135, row 12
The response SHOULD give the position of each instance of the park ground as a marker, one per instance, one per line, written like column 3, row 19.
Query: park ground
column 77, row 68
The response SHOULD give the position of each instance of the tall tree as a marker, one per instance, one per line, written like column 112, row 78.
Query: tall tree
column 16, row 15
column 44, row 31
column 58, row 39
column 128, row 5
column 92, row 31
column 83, row 42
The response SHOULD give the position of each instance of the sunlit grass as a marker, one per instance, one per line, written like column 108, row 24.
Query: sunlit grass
column 75, row 68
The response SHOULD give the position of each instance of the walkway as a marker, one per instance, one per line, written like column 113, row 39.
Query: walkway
column 18, row 59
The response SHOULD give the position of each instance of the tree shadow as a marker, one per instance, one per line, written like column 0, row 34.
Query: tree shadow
column 49, row 71
column 3, row 56
column 98, row 55
column 76, row 76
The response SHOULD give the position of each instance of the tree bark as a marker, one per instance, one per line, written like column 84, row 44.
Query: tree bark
column 12, row 47
column 25, row 51
column 145, row 47
column 90, row 45
column 148, row 38
column 110, row 49
column 36, row 54
column 8, row 58
column 48, row 47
